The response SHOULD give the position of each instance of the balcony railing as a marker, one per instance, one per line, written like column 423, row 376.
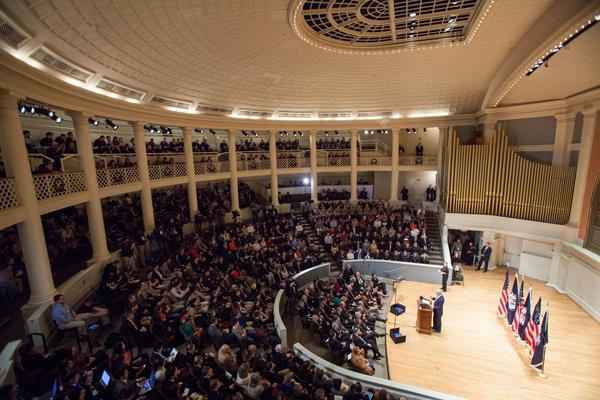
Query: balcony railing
column 211, row 167
column 333, row 161
column 9, row 197
column 253, row 165
column 166, row 171
column 429, row 160
column 117, row 176
column 58, row 184
column 374, row 161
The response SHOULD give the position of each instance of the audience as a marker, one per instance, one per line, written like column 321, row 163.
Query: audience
column 336, row 143
column 371, row 230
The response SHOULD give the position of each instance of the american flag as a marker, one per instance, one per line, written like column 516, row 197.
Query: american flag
column 503, row 296
column 520, row 301
column 533, row 329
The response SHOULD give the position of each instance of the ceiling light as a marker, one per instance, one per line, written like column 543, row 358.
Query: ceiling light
column 452, row 20
column 58, row 119
column 22, row 108
column 597, row 17
column 32, row 110
column 454, row 3
column 447, row 29
column 93, row 121
column 412, row 14
column 305, row 181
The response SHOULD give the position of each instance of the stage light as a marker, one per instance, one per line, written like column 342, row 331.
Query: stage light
column 412, row 14
column 597, row 17
column 198, row 130
column 22, row 108
column 93, row 121
column 305, row 181
column 326, row 133
column 424, row 130
column 111, row 124
column 447, row 29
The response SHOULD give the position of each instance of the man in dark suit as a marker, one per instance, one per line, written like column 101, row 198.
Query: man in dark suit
column 438, row 311
column 444, row 271
column 486, row 252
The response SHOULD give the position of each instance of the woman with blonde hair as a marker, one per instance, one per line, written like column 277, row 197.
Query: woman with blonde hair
column 359, row 361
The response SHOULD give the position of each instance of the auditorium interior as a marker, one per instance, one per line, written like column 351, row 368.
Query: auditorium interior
column 299, row 199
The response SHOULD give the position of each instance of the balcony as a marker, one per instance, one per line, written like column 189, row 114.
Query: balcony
column 427, row 160
column 57, row 184
column 117, row 176
column 166, row 171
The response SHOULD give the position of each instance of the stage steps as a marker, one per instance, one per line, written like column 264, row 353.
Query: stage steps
column 436, row 255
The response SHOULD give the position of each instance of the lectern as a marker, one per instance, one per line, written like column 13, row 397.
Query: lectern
column 424, row 315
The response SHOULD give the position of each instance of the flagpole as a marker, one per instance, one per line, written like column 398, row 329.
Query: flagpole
column 541, row 373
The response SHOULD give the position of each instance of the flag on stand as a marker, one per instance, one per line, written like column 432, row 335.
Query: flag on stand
column 503, row 296
column 511, row 306
column 525, row 316
column 520, row 299
column 533, row 328
column 537, row 361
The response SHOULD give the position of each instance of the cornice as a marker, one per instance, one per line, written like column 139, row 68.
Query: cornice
column 27, row 82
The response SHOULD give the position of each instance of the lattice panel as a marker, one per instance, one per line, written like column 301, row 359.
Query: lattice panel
column 167, row 171
column 58, row 184
column 375, row 161
column 117, row 176
column 211, row 167
column 429, row 160
column 9, row 196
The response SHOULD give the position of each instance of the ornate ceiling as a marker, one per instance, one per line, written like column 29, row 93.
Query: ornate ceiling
column 244, row 58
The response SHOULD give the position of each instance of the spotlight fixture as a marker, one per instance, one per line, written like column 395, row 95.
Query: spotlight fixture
column 93, row 121
column 326, row 133
column 198, row 130
column 213, row 132
column 56, row 118
column 254, row 133
column 22, row 107
column 412, row 14
column 165, row 130
column 424, row 130
column 111, row 124
column 337, row 133
column 32, row 109
column 244, row 133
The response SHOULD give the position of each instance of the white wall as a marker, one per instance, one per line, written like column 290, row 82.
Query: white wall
column 513, row 245
column 415, row 181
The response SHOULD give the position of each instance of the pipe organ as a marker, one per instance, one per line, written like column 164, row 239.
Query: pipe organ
column 492, row 179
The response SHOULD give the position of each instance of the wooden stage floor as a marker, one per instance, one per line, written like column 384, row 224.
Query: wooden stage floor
column 476, row 357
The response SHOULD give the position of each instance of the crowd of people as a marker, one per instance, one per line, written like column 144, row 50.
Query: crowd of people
column 333, row 194
column 12, row 268
column 343, row 312
column 334, row 143
column 119, row 145
column 373, row 229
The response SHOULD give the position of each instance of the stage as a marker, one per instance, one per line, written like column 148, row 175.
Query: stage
column 476, row 357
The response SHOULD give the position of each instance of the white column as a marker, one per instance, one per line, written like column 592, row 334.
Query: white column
column 439, row 181
column 563, row 136
column 94, row 206
column 395, row 163
column 353, row 164
column 583, row 163
column 235, row 198
column 314, row 184
column 489, row 129
column 559, row 268
column 142, row 163
column 191, row 172
column 273, row 160
column 31, row 233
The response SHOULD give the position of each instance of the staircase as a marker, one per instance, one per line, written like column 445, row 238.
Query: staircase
column 436, row 255
column 311, row 234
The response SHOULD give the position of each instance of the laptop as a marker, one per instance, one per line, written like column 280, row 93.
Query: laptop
column 105, row 379
column 146, row 387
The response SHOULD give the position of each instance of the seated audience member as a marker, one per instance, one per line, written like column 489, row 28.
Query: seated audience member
column 65, row 318
column 361, row 363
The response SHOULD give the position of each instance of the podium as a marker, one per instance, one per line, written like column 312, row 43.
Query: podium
column 424, row 316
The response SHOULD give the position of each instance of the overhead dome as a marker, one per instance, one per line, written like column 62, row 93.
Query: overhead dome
column 368, row 25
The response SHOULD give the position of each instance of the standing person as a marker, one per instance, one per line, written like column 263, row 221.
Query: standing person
column 438, row 311
column 486, row 252
column 419, row 152
column 444, row 271
column 404, row 193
